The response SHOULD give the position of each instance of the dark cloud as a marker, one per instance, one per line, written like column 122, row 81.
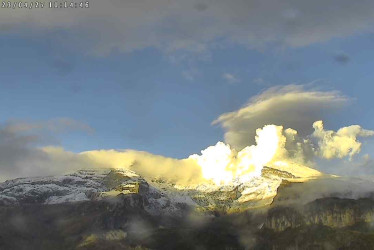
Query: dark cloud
column 75, row 88
column 63, row 67
column 20, row 154
column 201, row 6
column 58, row 125
column 172, row 25
column 342, row 58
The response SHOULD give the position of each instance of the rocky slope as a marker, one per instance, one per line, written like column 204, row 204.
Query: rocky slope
column 88, row 185
column 160, row 196
column 118, row 209
column 332, row 212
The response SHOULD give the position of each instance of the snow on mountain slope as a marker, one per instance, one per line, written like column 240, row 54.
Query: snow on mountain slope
column 157, row 195
column 53, row 189
column 85, row 185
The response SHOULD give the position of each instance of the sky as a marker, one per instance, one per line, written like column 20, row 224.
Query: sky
column 158, row 75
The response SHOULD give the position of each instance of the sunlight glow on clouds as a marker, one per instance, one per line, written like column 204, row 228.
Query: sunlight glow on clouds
column 223, row 165
column 291, row 106
column 278, row 146
column 341, row 143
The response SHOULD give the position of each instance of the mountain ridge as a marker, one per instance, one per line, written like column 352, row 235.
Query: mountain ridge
column 119, row 209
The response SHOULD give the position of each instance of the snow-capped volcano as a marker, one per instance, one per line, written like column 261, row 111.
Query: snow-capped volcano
column 119, row 209
column 159, row 196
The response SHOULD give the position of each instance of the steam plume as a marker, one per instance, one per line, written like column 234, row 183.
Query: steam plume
column 341, row 143
column 276, row 143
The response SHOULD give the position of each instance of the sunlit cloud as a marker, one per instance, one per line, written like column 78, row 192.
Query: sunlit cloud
column 291, row 106
column 272, row 117
column 341, row 143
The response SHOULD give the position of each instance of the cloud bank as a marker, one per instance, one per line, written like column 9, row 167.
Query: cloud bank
column 21, row 156
column 148, row 165
column 196, row 25
column 281, row 120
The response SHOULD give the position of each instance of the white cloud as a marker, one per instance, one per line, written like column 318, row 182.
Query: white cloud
column 274, row 129
column 261, row 82
column 230, row 78
column 341, row 143
column 190, row 74
column 291, row 106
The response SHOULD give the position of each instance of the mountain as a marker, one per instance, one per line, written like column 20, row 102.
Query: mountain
column 98, row 184
column 119, row 209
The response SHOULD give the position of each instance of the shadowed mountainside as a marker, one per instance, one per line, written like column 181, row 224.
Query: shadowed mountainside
column 121, row 210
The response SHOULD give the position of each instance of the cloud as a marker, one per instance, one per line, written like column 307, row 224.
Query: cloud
column 172, row 25
column 361, row 165
column 341, row 143
column 364, row 166
column 62, row 66
column 222, row 164
column 25, row 152
column 58, row 125
column 19, row 157
column 292, row 106
column 274, row 129
column 201, row 6
column 230, row 78
column 20, row 154
column 190, row 74
column 148, row 165
column 342, row 58
column 261, row 82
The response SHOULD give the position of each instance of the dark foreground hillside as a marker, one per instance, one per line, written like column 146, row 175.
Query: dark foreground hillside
column 122, row 223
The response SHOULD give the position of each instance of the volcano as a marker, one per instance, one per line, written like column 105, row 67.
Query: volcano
column 119, row 209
